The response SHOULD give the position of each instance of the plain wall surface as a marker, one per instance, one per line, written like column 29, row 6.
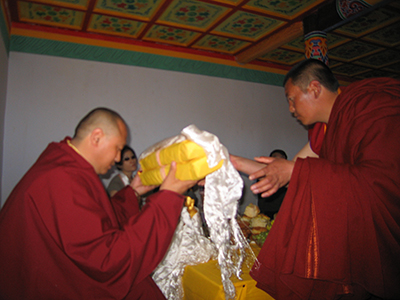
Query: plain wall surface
column 3, row 94
column 47, row 96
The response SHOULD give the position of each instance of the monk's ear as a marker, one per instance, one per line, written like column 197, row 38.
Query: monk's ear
column 315, row 88
column 95, row 136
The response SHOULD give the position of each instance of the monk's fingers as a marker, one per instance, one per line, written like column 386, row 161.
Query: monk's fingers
column 270, row 192
column 259, row 174
column 264, row 184
column 265, row 190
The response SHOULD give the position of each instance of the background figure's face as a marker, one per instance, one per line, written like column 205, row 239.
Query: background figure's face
column 110, row 150
column 301, row 105
column 129, row 162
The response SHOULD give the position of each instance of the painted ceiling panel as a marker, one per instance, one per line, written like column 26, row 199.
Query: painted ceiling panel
column 284, row 9
column 143, row 9
column 389, row 36
column 113, row 25
column 282, row 55
column 353, row 51
column 383, row 59
column 218, row 31
column 78, row 4
column 365, row 24
column 218, row 43
column 160, row 33
column 192, row 14
column 50, row 15
column 247, row 26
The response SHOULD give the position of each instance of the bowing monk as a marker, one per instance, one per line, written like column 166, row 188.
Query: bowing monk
column 337, row 234
column 61, row 237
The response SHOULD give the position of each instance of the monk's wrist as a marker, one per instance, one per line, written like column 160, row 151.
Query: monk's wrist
column 136, row 192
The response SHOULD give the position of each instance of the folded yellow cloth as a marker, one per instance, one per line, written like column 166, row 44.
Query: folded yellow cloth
column 191, row 162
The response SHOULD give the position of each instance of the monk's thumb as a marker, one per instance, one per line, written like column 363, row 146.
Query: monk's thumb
column 173, row 167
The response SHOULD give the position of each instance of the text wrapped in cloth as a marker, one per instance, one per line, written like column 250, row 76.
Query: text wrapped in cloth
column 190, row 157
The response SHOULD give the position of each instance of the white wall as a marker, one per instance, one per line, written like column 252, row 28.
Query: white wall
column 48, row 95
column 3, row 92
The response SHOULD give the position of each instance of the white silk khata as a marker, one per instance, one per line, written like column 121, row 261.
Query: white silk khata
column 189, row 246
column 222, row 190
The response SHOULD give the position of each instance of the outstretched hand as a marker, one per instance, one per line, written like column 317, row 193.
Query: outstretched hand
column 172, row 183
column 274, row 175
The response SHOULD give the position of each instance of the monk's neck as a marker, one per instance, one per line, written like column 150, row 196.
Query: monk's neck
column 330, row 101
column 81, row 149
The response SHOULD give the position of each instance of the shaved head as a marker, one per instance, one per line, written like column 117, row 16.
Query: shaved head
column 312, row 69
column 109, row 121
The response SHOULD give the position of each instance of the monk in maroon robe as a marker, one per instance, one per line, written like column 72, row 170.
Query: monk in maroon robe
column 62, row 238
column 337, row 234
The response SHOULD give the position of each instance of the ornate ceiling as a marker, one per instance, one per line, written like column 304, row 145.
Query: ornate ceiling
column 257, row 32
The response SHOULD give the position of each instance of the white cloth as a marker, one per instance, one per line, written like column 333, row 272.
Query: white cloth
column 223, row 188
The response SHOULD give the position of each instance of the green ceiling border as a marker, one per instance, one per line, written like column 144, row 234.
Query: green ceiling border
column 4, row 30
column 133, row 58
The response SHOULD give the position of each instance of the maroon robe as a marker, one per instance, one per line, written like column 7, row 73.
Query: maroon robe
column 62, row 238
column 338, row 230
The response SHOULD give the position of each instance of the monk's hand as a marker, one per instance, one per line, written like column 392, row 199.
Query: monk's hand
column 172, row 183
column 138, row 186
column 274, row 175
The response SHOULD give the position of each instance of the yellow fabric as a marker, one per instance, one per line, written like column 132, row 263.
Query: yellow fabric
column 203, row 281
column 190, row 158
column 73, row 147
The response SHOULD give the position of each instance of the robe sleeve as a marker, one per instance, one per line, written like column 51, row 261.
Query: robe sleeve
column 85, row 227
column 125, row 204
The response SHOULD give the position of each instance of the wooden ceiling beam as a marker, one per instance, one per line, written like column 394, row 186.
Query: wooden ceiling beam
column 278, row 39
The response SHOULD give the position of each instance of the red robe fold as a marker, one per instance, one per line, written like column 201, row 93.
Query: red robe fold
column 62, row 238
column 337, row 233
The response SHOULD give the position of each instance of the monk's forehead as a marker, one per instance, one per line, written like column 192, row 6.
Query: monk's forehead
column 288, row 86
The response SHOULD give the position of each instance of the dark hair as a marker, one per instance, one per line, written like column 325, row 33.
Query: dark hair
column 98, row 116
column 121, row 161
column 312, row 69
column 280, row 152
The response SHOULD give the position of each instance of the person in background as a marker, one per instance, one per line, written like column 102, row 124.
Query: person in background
column 126, row 167
column 337, row 234
column 278, row 153
column 270, row 206
column 61, row 235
